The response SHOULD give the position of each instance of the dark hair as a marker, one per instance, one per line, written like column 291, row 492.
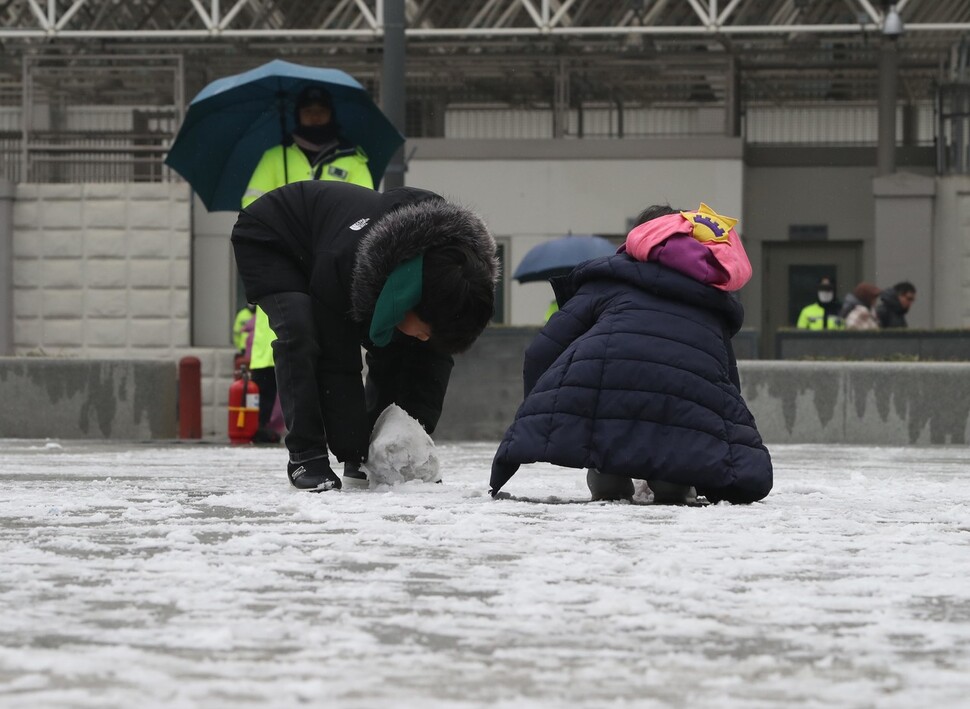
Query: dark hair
column 904, row 287
column 866, row 292
column 654, row 211
column 457, row 296
column 313, row 96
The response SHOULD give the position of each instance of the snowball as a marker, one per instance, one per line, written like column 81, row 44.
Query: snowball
column 400, row 450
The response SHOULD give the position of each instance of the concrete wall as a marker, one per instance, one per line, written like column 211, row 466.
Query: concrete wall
column 793, row 402
column 950, row 288
column 859, row 402
column 214, row 277
column 895, row 344
column 104, row 271
column 904, row 241
column 532, row 190
column 101, row 269
column 7, row 193
column 99, row 399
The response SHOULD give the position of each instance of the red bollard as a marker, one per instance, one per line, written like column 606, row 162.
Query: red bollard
column 190, row 397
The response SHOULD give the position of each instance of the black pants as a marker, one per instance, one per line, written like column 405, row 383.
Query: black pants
column 296, row 353
column 407, row 372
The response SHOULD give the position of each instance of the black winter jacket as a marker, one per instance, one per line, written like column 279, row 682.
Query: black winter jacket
column 636, row 376
column 338, row 243
column 889, row 311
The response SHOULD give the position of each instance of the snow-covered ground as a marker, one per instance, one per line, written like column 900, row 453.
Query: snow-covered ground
column 192, row 575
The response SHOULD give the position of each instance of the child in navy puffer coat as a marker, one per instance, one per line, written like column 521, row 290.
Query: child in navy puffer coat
column 635, row 376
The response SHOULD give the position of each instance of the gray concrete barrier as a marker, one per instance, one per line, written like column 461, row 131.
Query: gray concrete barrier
column 877, row 403
column 793, row 402
column 889, row 345
column 74, row 398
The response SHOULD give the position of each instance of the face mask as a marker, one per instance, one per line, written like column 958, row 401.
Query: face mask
column 317, row 134
column 825, row 296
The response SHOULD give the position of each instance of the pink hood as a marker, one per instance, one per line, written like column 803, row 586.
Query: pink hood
column 701, row 244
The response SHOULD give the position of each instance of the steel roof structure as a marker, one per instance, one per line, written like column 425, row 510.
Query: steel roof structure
column 514, row 52
column 439, row 19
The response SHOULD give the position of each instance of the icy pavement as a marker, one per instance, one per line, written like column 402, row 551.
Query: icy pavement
column 193, row 576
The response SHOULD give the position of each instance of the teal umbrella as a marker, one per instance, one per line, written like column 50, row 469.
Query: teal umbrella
column 559, row 256
column 234, row 120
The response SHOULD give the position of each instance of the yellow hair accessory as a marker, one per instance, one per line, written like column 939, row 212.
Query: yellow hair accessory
column 708, row 225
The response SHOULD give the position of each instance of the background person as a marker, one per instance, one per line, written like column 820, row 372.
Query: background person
column 894, row 303
column 823, row 314
column 239, row 334
column 317, row 152
column 857, row 310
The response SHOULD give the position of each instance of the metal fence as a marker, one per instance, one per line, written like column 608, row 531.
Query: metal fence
column 587, row 121
column 837, row 124
column 92, row 119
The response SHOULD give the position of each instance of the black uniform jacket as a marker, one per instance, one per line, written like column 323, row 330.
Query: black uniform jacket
column 305, row 237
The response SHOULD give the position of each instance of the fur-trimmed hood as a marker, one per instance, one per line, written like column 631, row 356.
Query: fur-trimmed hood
column 407, row 231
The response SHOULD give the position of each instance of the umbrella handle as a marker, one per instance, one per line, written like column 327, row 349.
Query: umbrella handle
column 282, row 97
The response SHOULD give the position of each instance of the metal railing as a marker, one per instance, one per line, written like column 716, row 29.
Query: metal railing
column 844, row 123
column 96, row 156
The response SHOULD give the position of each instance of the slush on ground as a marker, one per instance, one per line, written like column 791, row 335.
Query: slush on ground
column 193, row 575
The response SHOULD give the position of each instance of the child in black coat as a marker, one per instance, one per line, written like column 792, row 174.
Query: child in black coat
column 635, row 376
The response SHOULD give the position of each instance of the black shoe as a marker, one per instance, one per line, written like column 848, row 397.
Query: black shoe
column 314, row 475
column 665, row 493
column 266, row 436
column 608, row 488
column 354, row 476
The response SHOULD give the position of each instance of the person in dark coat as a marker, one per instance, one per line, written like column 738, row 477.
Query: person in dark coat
column 894, row 303
column 635, row 376
column 405, row 274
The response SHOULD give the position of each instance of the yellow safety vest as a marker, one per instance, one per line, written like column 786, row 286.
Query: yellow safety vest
column 552, row 310
column 269, row 173
column 238, row 335
column 813, row 317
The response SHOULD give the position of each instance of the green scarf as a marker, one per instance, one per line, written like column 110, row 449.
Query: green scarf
column 400, row 293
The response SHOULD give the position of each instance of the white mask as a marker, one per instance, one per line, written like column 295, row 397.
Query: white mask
column 825, row 296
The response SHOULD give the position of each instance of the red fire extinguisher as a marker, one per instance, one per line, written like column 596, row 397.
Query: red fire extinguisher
column 243, row 408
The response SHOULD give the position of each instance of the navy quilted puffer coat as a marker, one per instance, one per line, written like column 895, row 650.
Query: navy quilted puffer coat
column 636, row 376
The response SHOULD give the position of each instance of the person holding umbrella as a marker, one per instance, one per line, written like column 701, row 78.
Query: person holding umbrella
column 234, row 120
column 405, row 274
column 318, row 151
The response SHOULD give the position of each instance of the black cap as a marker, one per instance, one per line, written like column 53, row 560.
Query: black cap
column 313, row 96
column 826, row 284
